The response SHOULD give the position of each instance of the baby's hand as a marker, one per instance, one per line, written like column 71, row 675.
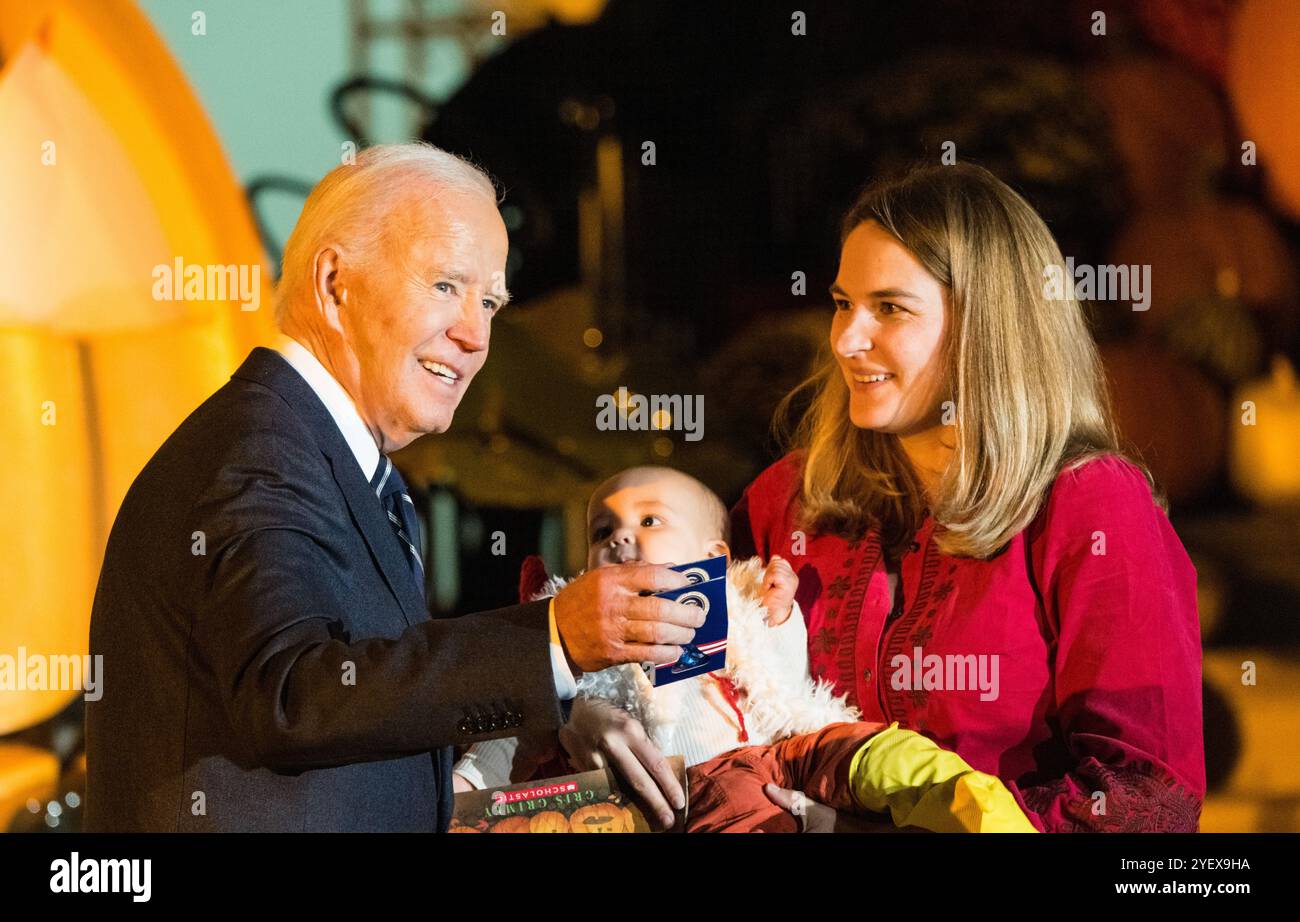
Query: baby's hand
column 779, row 585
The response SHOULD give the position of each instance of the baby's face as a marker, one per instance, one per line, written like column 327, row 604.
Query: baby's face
column 652, row 520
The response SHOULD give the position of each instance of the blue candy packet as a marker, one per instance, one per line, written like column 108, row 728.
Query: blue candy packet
column 708, row 653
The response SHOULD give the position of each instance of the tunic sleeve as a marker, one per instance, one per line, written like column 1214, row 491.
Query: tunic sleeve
column 1119, row 594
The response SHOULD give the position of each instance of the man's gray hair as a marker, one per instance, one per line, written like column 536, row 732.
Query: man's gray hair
column 351, row 204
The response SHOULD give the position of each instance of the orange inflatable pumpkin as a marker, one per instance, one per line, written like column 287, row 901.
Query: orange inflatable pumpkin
column 1167, row 124
column 140, row 179
column 1264, row 80
column 1170, row 413
column 1213, row 248
column 1265, row 425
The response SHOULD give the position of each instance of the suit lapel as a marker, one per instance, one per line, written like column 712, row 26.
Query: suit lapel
column 269, row 368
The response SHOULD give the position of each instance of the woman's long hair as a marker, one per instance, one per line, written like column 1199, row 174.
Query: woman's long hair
column 1023, row 374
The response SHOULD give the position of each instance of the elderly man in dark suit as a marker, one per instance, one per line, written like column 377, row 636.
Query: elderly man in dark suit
column 269, row 660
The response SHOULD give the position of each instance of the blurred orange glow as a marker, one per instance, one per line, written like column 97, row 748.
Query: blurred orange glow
column 111, row 169
column 1264, row 77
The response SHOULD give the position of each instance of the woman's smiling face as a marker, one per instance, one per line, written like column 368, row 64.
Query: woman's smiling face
column 887, row 333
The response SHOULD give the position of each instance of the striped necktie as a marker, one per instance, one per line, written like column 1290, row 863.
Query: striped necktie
column 391, row 490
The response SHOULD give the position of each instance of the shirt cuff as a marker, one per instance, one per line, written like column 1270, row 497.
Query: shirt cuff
column 565, row 686
column 472, row 776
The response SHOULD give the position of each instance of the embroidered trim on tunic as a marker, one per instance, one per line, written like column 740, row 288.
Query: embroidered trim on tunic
column 1137, row 800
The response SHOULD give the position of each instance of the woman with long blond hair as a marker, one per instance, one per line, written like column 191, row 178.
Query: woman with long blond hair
column 977, row 557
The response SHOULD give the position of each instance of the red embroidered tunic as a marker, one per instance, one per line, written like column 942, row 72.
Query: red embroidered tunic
column 1094, row 721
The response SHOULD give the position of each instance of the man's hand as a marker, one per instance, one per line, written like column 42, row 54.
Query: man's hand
column 604, row 619
column 779, row 585
column 599, row 734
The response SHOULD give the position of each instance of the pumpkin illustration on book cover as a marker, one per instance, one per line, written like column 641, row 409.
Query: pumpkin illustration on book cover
column 511, row 824
column 549, row 821
column 601, row 818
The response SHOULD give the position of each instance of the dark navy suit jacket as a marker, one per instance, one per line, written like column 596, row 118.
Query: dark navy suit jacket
column 269, row 662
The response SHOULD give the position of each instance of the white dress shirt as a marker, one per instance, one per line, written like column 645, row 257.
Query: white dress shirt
column 343, row 411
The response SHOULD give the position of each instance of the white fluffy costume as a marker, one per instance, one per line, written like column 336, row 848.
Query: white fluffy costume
column 767, row 670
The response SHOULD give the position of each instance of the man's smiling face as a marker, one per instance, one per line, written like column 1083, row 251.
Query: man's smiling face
column 418, row 316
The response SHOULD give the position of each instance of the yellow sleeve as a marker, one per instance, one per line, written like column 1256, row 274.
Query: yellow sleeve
column 922, row 784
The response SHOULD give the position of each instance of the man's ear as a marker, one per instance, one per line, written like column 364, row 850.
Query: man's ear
column 331, row 296
column 719, row 549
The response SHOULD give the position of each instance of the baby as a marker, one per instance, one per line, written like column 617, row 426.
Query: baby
column 660, row 515
column 762, row 722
